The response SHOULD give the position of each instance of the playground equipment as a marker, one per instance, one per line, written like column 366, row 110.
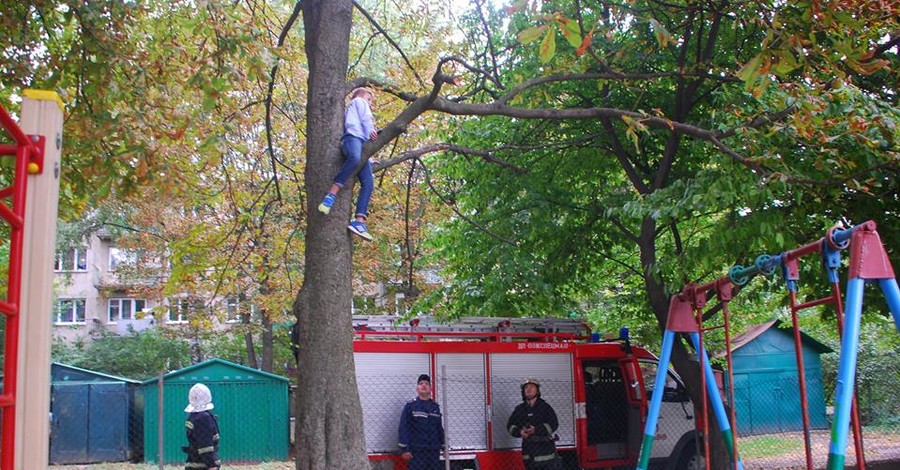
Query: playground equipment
column 25, row 401
column 868, row 262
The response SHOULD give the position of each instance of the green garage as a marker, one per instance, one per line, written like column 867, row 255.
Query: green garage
column 251, row 406
column 767, row 391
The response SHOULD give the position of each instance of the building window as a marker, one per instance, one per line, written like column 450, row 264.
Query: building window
column 121, row 257
column 235, row 308
column 71, row 259
column 124, row 309
column 69, row 311
column 180, row 310
column 232, row 310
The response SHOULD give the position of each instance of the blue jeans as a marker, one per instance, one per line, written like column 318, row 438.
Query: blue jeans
column 352, row 149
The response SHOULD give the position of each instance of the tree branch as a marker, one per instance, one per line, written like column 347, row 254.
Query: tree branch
column 271, row 87
column 445, row 147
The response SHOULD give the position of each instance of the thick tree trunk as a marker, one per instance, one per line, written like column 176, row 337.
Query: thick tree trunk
column 267, row 339
column 248, row 340
column 329, row 417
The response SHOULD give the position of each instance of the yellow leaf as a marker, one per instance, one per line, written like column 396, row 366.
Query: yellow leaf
column 570, row 31
column 548, row 46
column 531, row 34
column 750, row 70
column 663, row 37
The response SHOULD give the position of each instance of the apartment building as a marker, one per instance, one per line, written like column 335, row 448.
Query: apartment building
column 97, row 288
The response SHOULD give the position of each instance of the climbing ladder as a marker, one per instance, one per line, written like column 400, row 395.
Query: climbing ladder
column 28, row 152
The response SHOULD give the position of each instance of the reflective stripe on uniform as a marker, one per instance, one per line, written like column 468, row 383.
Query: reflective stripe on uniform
column 205, row 450
column 195, row 465
column 189, row 425
column 544, row 458
column 548, row 428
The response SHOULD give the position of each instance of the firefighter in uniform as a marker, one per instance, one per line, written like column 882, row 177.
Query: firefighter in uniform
column 535, row 422
column 202, row 430
column 421, row 432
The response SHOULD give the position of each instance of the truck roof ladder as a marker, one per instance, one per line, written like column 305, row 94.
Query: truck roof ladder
column 473, row 328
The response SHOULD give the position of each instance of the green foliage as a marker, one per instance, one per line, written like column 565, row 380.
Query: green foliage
column 611, row 211
column 232, row 347
column 136, row 356
column 877, row 371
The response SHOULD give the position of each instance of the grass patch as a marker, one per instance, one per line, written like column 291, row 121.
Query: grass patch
column 755, row 447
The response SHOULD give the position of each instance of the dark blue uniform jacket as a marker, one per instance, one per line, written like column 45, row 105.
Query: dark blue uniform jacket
column 421, row 427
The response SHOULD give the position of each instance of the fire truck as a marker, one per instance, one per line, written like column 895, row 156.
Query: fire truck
column 599, row 389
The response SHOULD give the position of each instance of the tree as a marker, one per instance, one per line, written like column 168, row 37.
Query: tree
column 684, row 162
column 138, row 355
column 727, row 161
column 329, row 434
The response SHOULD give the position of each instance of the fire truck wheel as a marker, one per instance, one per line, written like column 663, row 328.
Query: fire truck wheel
column 690, row 459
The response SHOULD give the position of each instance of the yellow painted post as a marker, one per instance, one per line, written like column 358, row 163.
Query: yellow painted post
column 42, row 114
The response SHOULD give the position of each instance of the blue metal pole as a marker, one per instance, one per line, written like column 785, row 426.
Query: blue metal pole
column 659, row 385
column 716, row 400
column 892, row 295
column 843, row 394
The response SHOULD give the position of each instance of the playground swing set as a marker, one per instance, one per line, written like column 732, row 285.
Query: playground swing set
column 868, row 263
column 32, row 232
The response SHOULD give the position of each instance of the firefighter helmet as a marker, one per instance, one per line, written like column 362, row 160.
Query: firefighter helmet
column 532, row 381
column 199, row 399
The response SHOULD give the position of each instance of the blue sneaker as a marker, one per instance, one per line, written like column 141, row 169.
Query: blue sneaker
column 360, row 229
column 327, row 202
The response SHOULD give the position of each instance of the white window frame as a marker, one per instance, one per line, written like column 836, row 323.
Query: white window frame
column 232, row 309
column 77, row 253
column 182, row 305
column 72, row 306
column 121, row 303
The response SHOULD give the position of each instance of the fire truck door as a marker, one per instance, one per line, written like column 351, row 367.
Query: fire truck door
column 637, row 405
column 608, row 411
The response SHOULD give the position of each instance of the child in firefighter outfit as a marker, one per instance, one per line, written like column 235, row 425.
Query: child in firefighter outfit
column 202, row 430
column 421, row 429
column 535, row 422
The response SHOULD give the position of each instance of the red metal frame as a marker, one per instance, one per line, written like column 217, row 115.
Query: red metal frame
column 686, row 315
column 25, row 149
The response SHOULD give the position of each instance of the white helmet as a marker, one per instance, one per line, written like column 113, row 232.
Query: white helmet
column 200, row 399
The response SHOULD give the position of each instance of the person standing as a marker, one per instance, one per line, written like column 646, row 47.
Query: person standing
column 535, row 422
column 421, row 433
column 359, row 126
column 202, row 430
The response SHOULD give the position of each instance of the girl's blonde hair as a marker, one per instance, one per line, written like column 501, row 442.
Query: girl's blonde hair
column 358, row 91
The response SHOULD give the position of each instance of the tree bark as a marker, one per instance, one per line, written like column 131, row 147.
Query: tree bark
column 248, row 339
column 329, row 432
column 267, row 339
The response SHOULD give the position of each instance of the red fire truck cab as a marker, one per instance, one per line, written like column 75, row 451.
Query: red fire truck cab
column 599, row 391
